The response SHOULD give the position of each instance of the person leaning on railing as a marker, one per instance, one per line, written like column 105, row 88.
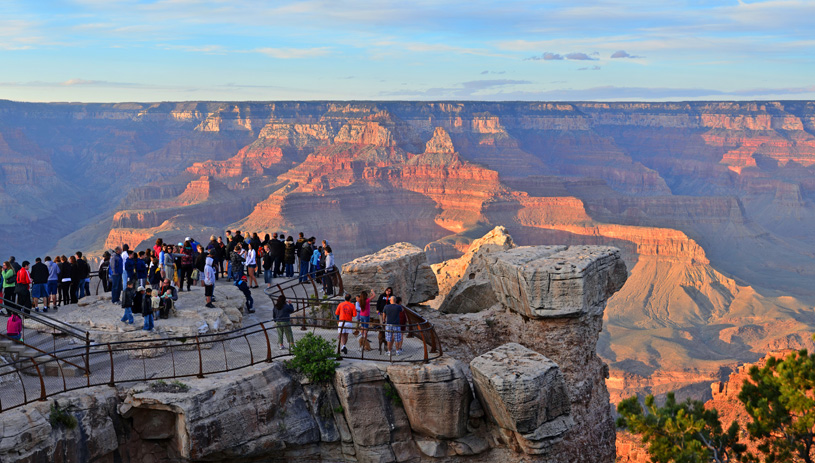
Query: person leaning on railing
column 282, row 317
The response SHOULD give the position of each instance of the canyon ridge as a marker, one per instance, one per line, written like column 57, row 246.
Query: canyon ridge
column 711, row 204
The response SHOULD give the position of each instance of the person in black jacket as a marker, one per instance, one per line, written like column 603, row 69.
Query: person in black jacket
column 66, row 272
column 277, row 249
column 39, row 284
column 382, row 301
column 83, row 271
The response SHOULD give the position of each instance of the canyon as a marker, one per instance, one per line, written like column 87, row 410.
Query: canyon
column 710, row 203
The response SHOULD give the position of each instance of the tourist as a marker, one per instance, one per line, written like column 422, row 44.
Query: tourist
column 255, row 241
column 345, row 311
column 236, row 260
column 393, row 331
column 141, row 269
column 14, row 264
column 103, row 271
column 138, row 300
column 154, row 272
column 244, row 287
column 383, row 300
column 268, row 265
column 209, row 281
column 282, row 316
column 116, row 271
column 289, row 257
column 127, row 302
column 23, row 284
column 14, row 327
column 147, row 309
column 363, row 313
column 278, row 250
column 199, row 265
column 252, row 264
column 125, row 254
column 230, row 247
column 320, row 262
column 159, row 246
column 82, row 272
column 39, row 284
column 298, row 245
column 66, row 272
column 9, row 283
column 185, row 274
column 129, row 265
column 214, row 249
column 53, row 283
column 75, row 279
column 328, row 279
column 169, row 263
column 314, row 261
column 168, row 297
column 305, row 259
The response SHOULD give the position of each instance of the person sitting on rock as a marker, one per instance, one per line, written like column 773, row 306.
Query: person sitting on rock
column 167, row 294
column 14, row 327
column 243, row 285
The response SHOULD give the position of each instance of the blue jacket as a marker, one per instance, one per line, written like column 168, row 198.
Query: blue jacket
column 141, row 268
column 115, row 265
column 315, row 258
column 130, row 267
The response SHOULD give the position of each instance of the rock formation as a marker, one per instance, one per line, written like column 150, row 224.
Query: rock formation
column 401, row 266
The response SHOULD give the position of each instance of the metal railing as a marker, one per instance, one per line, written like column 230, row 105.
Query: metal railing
column 69, row 368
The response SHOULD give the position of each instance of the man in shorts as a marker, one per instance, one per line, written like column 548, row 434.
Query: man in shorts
column 345, row 311
column 39, row 287
column 393, row 329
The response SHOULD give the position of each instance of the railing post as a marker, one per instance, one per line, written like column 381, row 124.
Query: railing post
column 200, row 358
column 268, row 343
column 112, row 383
column 88, row 357
column 424, row 343
column 43, row 395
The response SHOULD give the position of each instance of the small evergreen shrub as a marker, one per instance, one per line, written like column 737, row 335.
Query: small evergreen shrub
column 314, row 357
column 392, row 394
column 174, row 386
column 61, row 418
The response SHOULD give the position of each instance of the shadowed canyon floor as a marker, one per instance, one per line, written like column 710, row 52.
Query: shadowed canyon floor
column 711, row 203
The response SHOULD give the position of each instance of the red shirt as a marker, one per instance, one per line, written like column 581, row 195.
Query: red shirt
column 22, row 277
column 346, row 311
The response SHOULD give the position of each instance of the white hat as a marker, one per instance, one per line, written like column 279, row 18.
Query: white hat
column 140, row 288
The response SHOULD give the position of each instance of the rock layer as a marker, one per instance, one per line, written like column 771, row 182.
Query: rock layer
column 401, row 266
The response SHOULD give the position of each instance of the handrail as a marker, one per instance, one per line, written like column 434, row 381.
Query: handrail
column 41, row 318
column 42, row 352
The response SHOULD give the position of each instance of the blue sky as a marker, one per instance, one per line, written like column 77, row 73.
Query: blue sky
column 171, row 50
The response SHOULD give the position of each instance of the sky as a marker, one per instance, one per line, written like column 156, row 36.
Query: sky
column 576, row 50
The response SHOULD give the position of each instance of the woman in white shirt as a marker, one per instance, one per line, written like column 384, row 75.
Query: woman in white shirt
column 251, row 266
column 328, row 283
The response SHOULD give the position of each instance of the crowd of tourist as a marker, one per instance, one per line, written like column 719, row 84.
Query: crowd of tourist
column 147, row 282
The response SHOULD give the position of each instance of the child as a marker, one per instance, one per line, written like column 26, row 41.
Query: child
column 127, row 302
column 14, row 327
column 242, row 284
column 147, row 309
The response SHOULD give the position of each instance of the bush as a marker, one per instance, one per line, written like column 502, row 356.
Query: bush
column 314, row 357
column 172, row 387
column 392, row 394
column 61, row 418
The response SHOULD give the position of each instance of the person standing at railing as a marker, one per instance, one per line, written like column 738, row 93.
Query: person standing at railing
column 103, row 272
column 23, row 290
column 52, row 284
column 345, row 311
column 328, row 279
column 278, row 250
column 65, row 275
column 39, row 287
column 83, row 271
column 363, row 313
column 252, row 264
column 304, row 255
column 9, row 282
column 268, row 265
column 116, row 270
column 282, row 318
column 14, row 327
column 393, row 330
column 403, row 323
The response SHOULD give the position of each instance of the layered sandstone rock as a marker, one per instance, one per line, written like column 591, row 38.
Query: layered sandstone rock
column 401, row 266
column 524, row 393
column 436, row 397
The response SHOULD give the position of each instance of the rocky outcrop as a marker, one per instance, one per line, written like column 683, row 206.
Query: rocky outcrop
column 464, row 283
column 524, row 393
column 557, row 281
column 436, row 397
column 401, row 266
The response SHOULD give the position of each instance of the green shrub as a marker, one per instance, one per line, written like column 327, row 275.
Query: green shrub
column 314, row 357
column 61, row 418
column 174, row 386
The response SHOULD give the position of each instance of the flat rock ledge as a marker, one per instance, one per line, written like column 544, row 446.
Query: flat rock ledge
column 557, row 281
column 102, row 319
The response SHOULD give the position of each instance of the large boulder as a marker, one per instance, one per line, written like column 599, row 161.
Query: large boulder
column 436, row 396
column 401, row 266
column 524, row 393
column 464, row 283
column 557, row 281
column 380, row 430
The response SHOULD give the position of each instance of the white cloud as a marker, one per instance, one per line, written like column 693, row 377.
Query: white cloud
column 293, row 53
